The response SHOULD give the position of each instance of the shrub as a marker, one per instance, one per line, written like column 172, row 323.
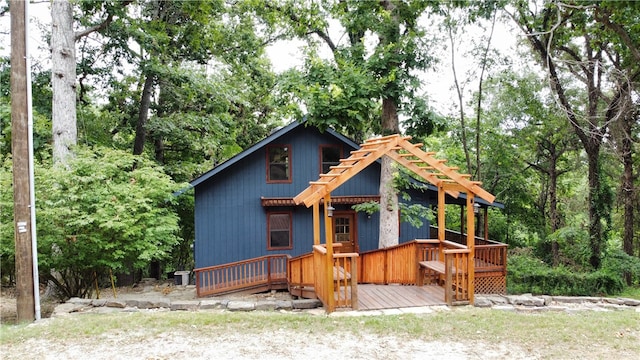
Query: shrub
column 527, row 274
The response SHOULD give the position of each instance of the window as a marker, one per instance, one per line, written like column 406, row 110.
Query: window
column 279, row 231
column 278, row 165
column 329, row 156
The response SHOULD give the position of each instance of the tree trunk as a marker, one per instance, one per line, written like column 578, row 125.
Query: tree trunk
column 595, row 208
column 63, row 80
column 553, row 203
column 628, row 190
column 389, row 220
column 143, row 115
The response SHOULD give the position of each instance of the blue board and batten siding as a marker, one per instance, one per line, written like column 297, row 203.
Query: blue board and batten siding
column 231, row 223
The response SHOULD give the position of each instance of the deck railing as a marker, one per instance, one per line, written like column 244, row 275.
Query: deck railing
column 262, row 273
column 456, row 282
column 396, row 264
column 336, row 279
column 301, row 275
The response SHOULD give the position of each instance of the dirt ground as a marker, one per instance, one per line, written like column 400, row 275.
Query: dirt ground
column 198, row 344
column 284, row 343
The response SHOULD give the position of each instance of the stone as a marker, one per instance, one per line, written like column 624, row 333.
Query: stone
column 268, row 305
column 160, row 303
column 210, row 304
column 145, row 304
column 568, row 299
column 284, row 305
column 79, row 301
column 306, row 304
column 131, row 303
column 614, row 301
column 504, row 307
column 241, row 306
column 526, row 300
column 116, row 304
column 189, row 305
column 631, row 302
column 497, row 299
column 98, row 302
column 547, row 299
column 68, row 308
column 483, row 302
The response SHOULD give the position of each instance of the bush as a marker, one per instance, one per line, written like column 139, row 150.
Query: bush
column 527, row 274
column 107, row 211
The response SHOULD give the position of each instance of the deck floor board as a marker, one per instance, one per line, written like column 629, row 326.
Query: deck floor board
column 375, row 297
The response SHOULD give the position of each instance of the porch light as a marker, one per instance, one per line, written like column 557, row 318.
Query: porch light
column 330, row 210
column 476, row 208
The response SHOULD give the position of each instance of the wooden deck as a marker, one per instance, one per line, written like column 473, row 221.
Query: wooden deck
column 375, row 297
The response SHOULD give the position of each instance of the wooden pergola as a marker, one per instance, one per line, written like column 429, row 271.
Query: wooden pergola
column 446, row 178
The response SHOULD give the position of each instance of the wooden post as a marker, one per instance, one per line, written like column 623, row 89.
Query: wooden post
column 328, row 232
column 354, row 282
column 471, row 244
column 486, row 223
column 441, row 220
column 316, row 223
column 448, row 286
column 21, row 172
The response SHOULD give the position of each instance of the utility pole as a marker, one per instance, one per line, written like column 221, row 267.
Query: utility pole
column 21, row 172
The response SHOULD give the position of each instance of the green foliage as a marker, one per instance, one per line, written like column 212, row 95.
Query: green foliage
column 7, row 245
column 528, row 274
column 99, row 214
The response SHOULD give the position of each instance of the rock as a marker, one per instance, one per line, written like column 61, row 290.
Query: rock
column 504, row 307
column 284, row 305
column 547, row 299
column 632, row 302
column 79, row 301
column 482, row 302
column 614, row 301
column 131, row 303
column 306, row 304
column 268, row 305
column 497, row 299
column 98, row 302
column 68, row 308
column 190, row 305
column 241, row 306
column 526, row 300
column 116, row 304
column 145, row 304
column 210, row 304
column 160, row 303
column 568, row 299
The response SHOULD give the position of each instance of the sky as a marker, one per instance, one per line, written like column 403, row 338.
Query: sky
column 438, row 83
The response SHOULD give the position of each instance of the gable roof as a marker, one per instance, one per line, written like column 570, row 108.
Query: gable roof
column 261, row 144
column 397, row 147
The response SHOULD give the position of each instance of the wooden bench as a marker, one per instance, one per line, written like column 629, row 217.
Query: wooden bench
column 435, row 270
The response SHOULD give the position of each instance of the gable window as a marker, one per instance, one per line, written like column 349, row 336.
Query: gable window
column 329, row 156
column 279, row 230
column 278, row 163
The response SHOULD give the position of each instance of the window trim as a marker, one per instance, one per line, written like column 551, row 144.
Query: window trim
column 290, row 215
column 268, row 167
column 320, row 153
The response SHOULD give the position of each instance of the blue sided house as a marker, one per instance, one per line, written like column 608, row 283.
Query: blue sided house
column 246, row 207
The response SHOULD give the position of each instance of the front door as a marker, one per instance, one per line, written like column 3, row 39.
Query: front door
column 345, row 232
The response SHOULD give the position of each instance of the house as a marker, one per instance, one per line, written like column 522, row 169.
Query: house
column 250, row 207
column 244, row 207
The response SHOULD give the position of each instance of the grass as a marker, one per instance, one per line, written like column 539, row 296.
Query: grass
column 632, row 292
column 553, row 333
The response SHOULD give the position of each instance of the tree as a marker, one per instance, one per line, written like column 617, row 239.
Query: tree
column 97, row 215
column 567, row 38
column 63, row 72
column 360, row 90
column 540, row 139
